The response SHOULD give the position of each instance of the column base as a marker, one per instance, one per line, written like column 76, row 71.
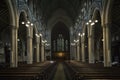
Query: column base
column 37, row 61
column 83, row 60
column 91, row 62
column 107, row 65
column 29, row 62
column 13, row 65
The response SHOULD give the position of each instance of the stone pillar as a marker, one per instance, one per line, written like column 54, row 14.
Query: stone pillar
column 80, row 48
column 83, row 49
column 98, row 52
column 42, row 52
column 107, row 45
column 29, row 45
column 71, row 52
column 78, row 52
column 90, row 45
column 75, row 51
column 83, row 52
column 14, row 48
column 91, row 51
column 37, row 49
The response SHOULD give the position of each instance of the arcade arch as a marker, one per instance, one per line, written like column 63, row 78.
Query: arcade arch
column 98, row 36
column 22, row 37
column 60, row 41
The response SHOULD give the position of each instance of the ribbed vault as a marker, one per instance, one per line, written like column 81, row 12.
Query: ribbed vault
column 48, row 7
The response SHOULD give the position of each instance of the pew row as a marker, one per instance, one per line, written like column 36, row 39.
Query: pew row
column 28, row 72
column 88, row 72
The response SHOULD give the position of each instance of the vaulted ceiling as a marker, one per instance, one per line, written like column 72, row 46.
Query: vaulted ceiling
column 48, row 7
column 115, row 17
column 4, row 15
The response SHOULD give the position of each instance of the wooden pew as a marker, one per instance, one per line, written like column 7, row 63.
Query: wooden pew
column 86, row 71
column 26, row 72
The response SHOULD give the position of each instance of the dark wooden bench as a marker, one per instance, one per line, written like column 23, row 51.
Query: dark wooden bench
column 88, row 71
column 19, row 76
column 26, row 72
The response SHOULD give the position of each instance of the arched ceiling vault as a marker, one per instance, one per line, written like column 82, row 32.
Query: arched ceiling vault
column 59, row 16
column 48, row 7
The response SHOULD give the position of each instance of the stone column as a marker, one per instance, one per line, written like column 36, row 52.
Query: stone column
column 37, row 49
column 78, row 52
column 91, row 45
column 71, row 52
column 83, row 49
column 29, row 45
column 14, row 48
column 107, row 45
column 40, row 48
column 98, row 52
column 80, row 48
column 75, row 51
column 42, row 52
column 91, row 52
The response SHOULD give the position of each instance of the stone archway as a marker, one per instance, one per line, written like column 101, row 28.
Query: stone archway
column 86, row 42
column 115, row 31
column 59, row 16
column 106, row 23
column 35, row 43
column 98, row 36
column 5, row 32
column 22, row 35
column 110, row 22
column 60, row 41
column 8, row 25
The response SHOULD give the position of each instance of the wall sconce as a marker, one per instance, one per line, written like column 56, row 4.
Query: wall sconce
column 27, row 24
column 83, row 34
column 18, row 40
column 76, row 41
column 37, row 35
column 79, row 34
column 47, row 44
column 92, row 22
column 72, row 44
column 40, row 34
column 44, row 41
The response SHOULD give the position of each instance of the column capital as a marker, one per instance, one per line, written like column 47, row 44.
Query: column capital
column 37, row 40
column 42, row 44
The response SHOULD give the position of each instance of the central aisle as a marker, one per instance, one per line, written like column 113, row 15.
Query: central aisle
column 60, row 74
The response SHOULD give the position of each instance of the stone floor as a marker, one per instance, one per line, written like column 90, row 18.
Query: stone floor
column 60, row 75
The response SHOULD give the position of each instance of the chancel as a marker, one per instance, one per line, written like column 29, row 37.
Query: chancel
column 60, row 40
